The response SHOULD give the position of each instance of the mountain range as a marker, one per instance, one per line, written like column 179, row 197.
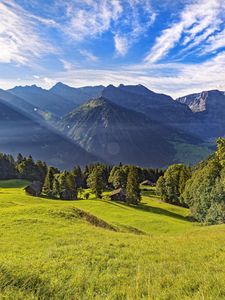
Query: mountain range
column 129, row 124
column 21, row 133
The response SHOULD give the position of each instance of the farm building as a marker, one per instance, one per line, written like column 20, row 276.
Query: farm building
column 118, row 195
column 34, row 189
column 148, row 182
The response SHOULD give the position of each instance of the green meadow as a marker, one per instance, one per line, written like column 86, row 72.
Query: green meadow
column 98, row 249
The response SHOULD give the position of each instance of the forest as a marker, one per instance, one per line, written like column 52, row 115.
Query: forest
column 200, row 188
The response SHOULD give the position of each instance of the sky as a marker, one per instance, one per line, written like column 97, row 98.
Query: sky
column 175, row 47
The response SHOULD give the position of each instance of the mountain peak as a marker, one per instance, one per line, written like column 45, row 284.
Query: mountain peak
column 204, row 100
column 58, row 84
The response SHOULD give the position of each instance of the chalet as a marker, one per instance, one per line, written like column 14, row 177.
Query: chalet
column 118, row 195
column 148, row 182
column 34, row 189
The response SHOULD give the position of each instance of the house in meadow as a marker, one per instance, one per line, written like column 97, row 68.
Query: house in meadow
column 118, row 195
column 148, row 183
column 34, row 189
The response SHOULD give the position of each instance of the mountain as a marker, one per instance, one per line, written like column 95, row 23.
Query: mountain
column 158, row 107
column 118, row 134
column 20, row 133
column 22, row 105
column 209, row 109
column 43, row 99
column 77, row 95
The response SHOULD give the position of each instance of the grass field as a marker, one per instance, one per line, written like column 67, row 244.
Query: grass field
column 51, row 249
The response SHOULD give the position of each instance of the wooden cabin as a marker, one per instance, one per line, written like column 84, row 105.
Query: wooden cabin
column 34, row 189
column 118, row 195
column 148, row 182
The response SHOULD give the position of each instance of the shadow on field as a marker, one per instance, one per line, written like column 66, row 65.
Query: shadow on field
column 161, row 211
column 155, row 210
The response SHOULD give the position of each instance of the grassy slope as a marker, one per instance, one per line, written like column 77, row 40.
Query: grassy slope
column 49, row 253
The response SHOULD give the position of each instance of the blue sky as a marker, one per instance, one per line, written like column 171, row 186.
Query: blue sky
column 171, row 46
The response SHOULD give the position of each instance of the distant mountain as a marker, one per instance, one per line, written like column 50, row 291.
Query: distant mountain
column 19, row 133
column 77, row 95
column 118, row 134
column 43, row 99
column 158, row 107
column 22, row 105
column 209, row 108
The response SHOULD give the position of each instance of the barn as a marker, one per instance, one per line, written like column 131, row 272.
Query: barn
column 34, row 189
column 148, row 182
column 118, row 195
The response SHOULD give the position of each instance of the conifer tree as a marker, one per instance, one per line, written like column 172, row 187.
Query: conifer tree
column 133, row 195
column 96, row 180
column 47, row 188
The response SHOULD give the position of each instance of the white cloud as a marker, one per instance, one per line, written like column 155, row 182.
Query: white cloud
column 19, row 39
column 214, row 42
column 90, row 18
column 67, row 65
column 121, row 44
column 196, row 22
column 93, row 18
column 88, row 55
column 175, row 79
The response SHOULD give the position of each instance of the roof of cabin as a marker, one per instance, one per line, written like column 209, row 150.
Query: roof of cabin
column 118, row 191
column 36, row 186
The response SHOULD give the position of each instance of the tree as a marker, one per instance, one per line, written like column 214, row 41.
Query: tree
column 118, row 177
column 56, row 186
column 171, row 185
column 42, row 169
column 133, row 195
column 47, row 188
column 19, row 158
column 7, row 167
column 96, row 181
column 28, row 169
column 67, row 186
column 79, row 178
column 161, row 188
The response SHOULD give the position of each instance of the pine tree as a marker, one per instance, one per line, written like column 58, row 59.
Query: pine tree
column 133, row 195
column 47, row 188
column 41, row 170
column 56, row 186
column 96, row 180
column 19, row 158
column 78, row 176
column 118, row 177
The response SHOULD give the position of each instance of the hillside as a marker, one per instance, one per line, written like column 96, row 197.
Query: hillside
column 20, row 133
column 118, row 134
column 49, row 249
column 158, row 107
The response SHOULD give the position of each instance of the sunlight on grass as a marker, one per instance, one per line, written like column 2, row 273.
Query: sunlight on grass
column 48, row 252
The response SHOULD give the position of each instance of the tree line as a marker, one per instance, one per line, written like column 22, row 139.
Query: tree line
column 201, row 188
column 69, row 184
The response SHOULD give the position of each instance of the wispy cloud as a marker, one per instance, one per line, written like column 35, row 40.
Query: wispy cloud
column 88, row 55
column 19, row 38
column 121, row 44
column 90, row 18
column 127, row 19
column 175, row 79
column 67, row 65
column 196, row 23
